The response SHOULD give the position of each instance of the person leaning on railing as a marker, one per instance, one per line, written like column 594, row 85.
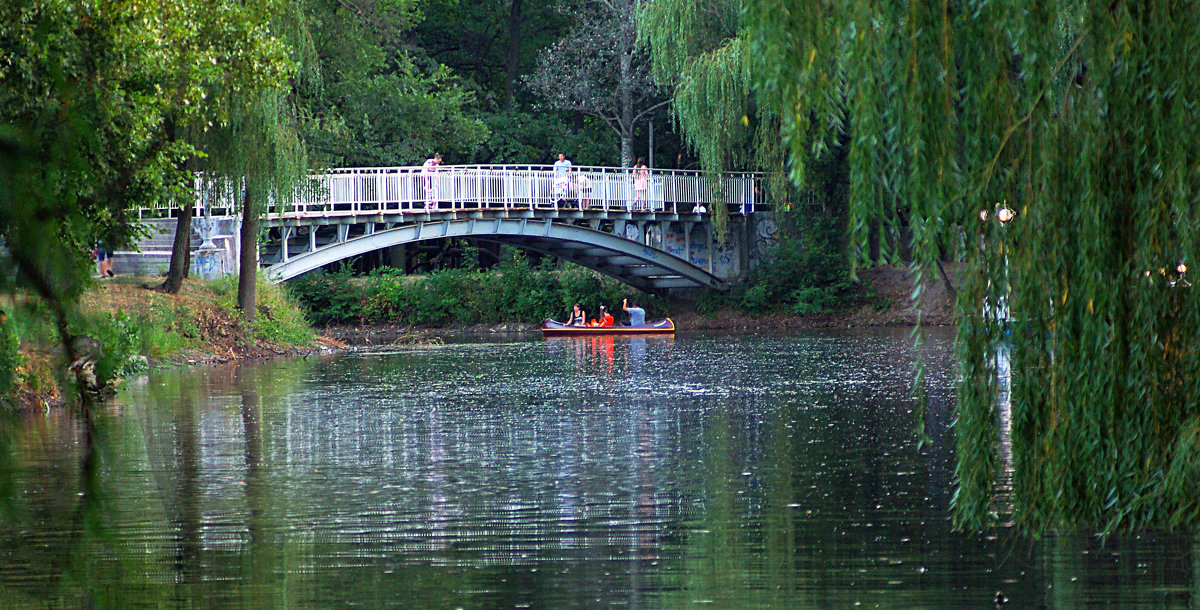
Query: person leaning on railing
column 641, row 182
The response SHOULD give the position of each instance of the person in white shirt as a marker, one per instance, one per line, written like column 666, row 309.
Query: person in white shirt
column 428, row 176
column 562, row 174
column 637, row 315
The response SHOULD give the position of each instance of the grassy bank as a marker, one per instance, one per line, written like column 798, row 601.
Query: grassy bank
column 128, row 326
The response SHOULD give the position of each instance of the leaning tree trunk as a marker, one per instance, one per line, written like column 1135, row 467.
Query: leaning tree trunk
column 248, row 260
column 181, row 247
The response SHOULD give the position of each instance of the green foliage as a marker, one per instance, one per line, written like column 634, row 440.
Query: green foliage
column 1082, row 118
column 805, row 272
column 519, row 137
column 98, row 117
column 599, row 68
column 120, row 339
column 702, row 50
column 375, row 103
column 328, row 297
column 514, row 291
column 279, row 318
column 492, row 44
column 167, row 331
column 591, row 290
column 801, row 276
column 10, row 357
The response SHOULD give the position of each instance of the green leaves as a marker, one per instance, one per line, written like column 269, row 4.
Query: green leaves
column 1074, row 116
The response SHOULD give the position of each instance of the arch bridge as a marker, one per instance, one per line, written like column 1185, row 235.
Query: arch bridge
column 653, row 232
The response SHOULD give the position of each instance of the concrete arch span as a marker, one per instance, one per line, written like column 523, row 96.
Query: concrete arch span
column 633, row 263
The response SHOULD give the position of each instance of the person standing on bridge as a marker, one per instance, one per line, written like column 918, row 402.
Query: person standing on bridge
column 429, row 178
column 641, row 183
column 562, row 178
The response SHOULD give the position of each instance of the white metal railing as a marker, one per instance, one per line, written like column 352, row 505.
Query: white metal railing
column 471, row 187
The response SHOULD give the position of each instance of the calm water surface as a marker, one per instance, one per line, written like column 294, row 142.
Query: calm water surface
column 727, row 470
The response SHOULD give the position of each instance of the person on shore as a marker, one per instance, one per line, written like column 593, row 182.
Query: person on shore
column 699, row 208
column 103, row 262
column 637, row 315
column 429, row 177
column 641, row 183
column 578, row 316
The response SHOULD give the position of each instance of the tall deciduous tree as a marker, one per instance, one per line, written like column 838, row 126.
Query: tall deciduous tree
column 600, row 69
column 258, row 147
column 82, row 109
column 490, row 44
column 700, row 54
column 216, row 48
column 1082, row 119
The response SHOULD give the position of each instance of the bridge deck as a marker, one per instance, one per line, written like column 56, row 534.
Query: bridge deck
column 461, row 187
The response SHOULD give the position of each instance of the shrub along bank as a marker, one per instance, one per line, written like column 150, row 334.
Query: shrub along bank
column 793, row 281
column 795, row 277
column 514, row 291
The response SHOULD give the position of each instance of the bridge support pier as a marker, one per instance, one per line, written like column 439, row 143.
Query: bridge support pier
column 284, row 234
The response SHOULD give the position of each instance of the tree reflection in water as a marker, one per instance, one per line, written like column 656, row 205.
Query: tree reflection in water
column 745, row 471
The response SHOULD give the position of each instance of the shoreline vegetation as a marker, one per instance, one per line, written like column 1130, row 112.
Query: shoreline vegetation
column 143, row 328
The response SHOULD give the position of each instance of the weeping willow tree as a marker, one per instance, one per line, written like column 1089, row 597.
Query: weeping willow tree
column 257, row 146
column 700, row 50
column 264, row 155
column 1081, row 118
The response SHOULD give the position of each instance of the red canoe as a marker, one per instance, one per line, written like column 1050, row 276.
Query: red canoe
column 552, row 328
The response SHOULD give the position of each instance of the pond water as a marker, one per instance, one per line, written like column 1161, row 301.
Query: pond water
column 727, row 470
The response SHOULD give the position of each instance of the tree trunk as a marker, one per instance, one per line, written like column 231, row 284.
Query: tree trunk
column 248, row 261
column 625, row 93
column 181, row 247
column 513, row 63
column 181, row 251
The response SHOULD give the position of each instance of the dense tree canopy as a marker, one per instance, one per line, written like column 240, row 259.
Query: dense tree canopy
column 377, row 101
column 90, row 102
column 491, row 47
column 1080, row 117
column 600, row 69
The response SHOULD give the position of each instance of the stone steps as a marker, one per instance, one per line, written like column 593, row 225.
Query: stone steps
column 153, row 256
